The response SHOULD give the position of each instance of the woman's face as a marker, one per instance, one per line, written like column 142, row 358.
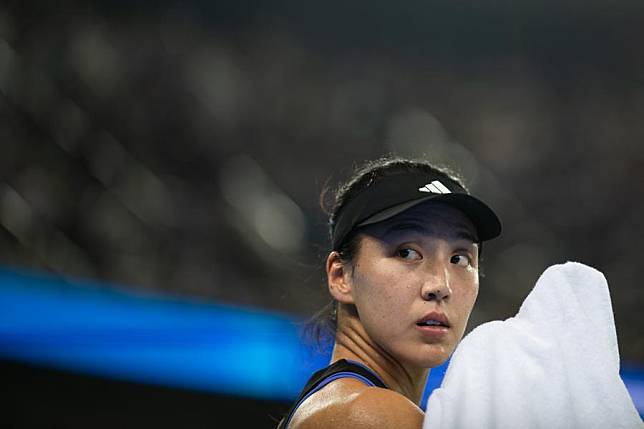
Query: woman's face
column 422, row 263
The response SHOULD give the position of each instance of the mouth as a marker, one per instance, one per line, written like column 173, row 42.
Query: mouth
column 434, row 319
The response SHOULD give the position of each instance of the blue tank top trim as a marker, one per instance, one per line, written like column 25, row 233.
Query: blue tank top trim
column 329, row 379
column 355, row 362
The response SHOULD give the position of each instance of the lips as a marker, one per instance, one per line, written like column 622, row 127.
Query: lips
column 434, row 319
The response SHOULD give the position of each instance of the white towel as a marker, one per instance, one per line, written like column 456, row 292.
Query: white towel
column 554, row 365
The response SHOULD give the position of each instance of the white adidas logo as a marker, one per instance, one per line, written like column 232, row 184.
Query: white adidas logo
column 435, row 187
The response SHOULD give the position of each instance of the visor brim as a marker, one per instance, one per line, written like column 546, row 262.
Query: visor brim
column 487, row 223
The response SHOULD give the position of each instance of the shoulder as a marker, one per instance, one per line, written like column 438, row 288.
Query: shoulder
column 383, row 408
column 348, row 403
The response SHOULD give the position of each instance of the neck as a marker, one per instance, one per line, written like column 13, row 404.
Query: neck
column 352, row 342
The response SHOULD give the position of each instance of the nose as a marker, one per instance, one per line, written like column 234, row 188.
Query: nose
column 436, row 287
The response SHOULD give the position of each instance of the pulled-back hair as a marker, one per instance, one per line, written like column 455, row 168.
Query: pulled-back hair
column 322, row 325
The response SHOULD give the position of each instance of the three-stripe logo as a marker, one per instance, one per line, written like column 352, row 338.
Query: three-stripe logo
column 435, row 187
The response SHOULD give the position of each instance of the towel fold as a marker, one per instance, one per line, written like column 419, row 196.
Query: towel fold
column 553, row 365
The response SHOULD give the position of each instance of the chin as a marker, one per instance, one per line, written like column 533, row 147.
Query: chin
column 435, row 356
column 437, row 361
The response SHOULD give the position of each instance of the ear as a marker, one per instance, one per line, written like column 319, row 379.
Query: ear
column 339, row 279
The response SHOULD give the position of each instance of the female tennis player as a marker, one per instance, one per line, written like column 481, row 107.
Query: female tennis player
column 403, row 274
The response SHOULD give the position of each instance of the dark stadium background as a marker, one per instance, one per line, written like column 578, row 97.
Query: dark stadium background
column 179, row 149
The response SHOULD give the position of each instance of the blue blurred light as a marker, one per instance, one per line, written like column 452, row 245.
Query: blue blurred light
column 105, row 330
column 110, row 331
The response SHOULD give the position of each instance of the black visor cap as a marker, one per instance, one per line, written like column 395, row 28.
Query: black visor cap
column 392, row 195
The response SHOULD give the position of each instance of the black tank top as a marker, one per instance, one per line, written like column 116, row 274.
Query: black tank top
column 341, row 369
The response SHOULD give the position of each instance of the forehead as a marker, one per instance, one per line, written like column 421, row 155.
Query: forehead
column 431, row 217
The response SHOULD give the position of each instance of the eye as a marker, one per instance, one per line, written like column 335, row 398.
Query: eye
column 409, row 254
column 460, row 260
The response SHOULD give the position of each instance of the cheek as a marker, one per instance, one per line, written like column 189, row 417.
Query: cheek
column 473, row 291
column 469, row 293
column 380, row 296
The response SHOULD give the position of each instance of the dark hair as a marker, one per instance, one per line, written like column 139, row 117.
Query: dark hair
column 322, row 325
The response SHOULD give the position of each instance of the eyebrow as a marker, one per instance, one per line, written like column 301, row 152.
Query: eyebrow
column 458, row 231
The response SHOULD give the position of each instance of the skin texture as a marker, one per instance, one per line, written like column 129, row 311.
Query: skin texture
column 420, row 261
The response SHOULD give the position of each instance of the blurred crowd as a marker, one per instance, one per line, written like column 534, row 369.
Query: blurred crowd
column 182, row 149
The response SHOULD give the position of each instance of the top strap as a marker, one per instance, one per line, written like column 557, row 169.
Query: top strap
column 343, row 368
